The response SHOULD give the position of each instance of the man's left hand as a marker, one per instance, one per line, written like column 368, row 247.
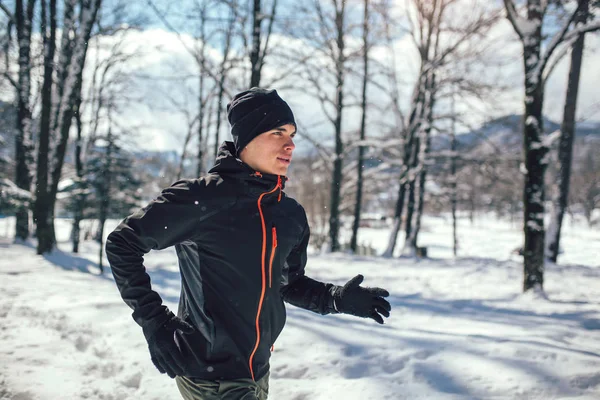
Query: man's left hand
column 360, row 301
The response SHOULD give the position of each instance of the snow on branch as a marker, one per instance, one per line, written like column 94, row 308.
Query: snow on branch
column 592, row 26
column 517, row 22
column 549, row 140
column 558, row 56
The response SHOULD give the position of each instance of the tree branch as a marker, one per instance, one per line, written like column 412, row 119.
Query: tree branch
column 513, row 17
column 8, row 13
column 263, row 53
column 556, row 59
column 592, row 26
column 558, row 38
column 201, row 61
column 11, row 81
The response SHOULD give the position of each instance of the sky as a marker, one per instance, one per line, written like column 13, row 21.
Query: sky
column 153, row 105
column 167, row 56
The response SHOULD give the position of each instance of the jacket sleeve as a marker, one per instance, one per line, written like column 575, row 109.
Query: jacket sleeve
column 164, row 222
column 302, row 291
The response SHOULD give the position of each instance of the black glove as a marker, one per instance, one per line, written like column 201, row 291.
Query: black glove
column 362, row 302
column 164, row 352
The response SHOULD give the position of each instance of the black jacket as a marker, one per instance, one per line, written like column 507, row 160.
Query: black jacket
column 241, row 244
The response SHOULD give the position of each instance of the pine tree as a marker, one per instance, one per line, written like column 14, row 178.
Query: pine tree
column 110, row 188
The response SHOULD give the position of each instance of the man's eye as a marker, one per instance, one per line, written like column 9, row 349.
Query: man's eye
column 277, row 133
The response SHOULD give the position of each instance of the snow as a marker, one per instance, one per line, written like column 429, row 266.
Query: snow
column 459, row 329
column 528, row 27
column 531, row 120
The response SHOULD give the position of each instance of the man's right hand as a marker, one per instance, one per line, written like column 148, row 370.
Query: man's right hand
column 164, row 352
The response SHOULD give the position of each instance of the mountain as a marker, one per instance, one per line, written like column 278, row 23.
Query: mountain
column 505, row 134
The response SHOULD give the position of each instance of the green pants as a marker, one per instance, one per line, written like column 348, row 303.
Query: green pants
column 238, row 389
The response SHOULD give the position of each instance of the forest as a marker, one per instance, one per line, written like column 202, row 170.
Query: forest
column 404, row 109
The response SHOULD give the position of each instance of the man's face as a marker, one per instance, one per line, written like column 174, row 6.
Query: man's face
column 271, row 151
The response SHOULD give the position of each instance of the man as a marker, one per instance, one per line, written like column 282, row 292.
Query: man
column 241, row 244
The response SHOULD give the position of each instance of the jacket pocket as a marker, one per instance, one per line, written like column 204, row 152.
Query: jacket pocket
column 193, row 346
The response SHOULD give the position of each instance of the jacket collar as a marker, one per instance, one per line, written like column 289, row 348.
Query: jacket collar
column 228, row 165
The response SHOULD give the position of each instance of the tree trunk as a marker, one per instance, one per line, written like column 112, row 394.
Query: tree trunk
column 186, row 142
column 80, row 195
column 409, row 139
column 105, row 196
column 453, row 179
column 259, row 52
column 23, row 140
column 421, row 194
column 412, row 177
column 41, row 214
column 201, row 105
column 389, row 251
column 201, row 100
column 472, row 204
column 257, row 18
column 534, row 152
column 222, row 75
column 67, row 46
column 425, row 142
column 420, row 197
column 336, row 182
column 565, row 147
column 361, row 149
column 410, row 209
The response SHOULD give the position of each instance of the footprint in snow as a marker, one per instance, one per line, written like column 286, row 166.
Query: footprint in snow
column 586, row 381
column 356, row 371
column 290, row 373
column 82, row 343
column 423, row 354
column 393, row 366
column 134, row 381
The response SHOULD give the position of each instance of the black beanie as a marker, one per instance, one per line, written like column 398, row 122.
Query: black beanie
column 256, row 111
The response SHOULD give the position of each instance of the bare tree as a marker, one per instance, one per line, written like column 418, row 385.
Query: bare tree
column 107, row 82
column 537, row 66
column 41, row 213
column 259, row 49
column 202, row 98
column 442, row 41
column 428, row 20
column 567, row 136
column 23, row 20
column 585, row 182
column 361, row 148
column 223, row 70
column 77, row 31
column 324, row 64
column 453, row 193
column 206, row 67
column 417, row 187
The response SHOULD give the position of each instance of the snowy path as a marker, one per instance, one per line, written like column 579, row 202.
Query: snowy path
column 459, row 330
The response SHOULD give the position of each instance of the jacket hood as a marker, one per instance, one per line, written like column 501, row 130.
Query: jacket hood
column 228, row 165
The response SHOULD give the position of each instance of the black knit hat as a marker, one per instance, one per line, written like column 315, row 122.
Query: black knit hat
column 256, row 111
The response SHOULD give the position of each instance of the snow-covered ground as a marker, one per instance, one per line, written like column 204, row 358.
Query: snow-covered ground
column 460, row 328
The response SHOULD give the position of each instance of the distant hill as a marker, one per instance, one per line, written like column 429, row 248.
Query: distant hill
column 505, row 133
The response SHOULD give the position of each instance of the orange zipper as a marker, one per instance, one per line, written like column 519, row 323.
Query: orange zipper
column 273, row 248
column 263, row 273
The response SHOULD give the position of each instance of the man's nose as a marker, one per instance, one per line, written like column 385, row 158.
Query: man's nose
column 289, row 144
